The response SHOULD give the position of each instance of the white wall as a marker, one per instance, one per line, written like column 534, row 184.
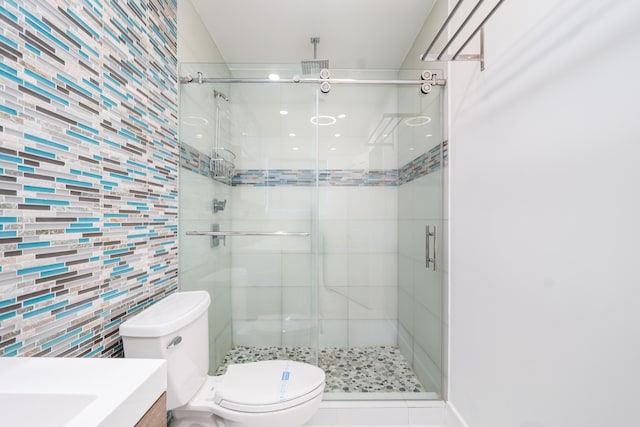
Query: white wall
column 544, row 218
column 194, row 42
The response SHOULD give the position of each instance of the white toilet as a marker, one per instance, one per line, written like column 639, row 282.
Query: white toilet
column 274, row 393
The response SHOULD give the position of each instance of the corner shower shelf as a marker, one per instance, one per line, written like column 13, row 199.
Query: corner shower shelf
column 458, row 56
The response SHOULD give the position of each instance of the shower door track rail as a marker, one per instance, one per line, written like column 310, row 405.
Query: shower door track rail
column 439, row 82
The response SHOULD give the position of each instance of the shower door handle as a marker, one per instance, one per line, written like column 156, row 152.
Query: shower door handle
column 428, row 235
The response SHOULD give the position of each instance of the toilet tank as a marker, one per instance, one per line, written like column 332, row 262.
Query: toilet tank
column 174, row 329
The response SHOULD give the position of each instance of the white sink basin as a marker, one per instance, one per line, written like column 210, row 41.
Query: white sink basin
column 65, row 392
column 40, row 409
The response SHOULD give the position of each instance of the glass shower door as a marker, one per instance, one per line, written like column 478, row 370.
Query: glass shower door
column 421, row 237
column 380, row 187
column 274, row 190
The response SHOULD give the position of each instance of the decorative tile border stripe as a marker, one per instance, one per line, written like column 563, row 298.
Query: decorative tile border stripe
column 194, row 160
column 88, row 171
column 198, row 162
column 307, row 177
column 423, row 165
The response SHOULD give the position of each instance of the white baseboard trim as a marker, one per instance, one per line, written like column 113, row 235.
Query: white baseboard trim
column 453, row 417
column 380, row 413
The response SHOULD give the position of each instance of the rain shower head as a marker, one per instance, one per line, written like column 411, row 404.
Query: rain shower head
column 313, row 66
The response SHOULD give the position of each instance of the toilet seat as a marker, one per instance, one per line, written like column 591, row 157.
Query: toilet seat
column 260, row 387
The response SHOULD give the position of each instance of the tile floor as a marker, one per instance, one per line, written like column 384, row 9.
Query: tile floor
column 348, row 370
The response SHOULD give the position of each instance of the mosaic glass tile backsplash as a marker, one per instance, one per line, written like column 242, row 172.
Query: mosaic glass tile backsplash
column 198, row 162
column 88, row 170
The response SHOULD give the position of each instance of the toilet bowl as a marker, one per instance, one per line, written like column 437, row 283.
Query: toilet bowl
column 273, row 393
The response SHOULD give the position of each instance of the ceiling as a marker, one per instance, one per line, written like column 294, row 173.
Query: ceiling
column 353, row 33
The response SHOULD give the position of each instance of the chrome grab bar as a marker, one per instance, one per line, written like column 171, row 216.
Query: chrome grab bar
column 247, row 233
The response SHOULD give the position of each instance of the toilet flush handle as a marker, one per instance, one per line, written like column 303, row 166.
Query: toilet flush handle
column 174, row 342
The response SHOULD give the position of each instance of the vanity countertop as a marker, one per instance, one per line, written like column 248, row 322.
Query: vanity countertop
column 74, row 392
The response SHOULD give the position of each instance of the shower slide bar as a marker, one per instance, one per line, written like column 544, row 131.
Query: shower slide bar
column 458, row 56
column 247, row 233
column 217, row 235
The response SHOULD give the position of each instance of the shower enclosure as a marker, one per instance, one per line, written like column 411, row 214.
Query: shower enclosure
column 315, row 221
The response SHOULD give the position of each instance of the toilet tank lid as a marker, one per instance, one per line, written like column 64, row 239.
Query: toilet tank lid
column 168, row 315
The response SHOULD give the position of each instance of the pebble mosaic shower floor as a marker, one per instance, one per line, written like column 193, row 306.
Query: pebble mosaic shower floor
column 348, row 370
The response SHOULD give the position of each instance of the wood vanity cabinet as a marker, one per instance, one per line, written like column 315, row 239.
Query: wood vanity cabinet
column 156, row 416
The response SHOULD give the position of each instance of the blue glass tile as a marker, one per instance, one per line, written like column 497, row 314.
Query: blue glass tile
column 11, row 233
column 116, row 251
column 46, row 142
column 8, row 110
column 8, row 219
column 40, row 78
column 111, row 143
column 37, row 299
column 39, row 268
column 82, row 137
column 30, row 245
column 81, row 339
column 128, row 135
column 39, row 152
column 161, row 282
column 120, row 272
column 13, row 347
column 80, row 225
column 32, row 48
column 88, row 219
column 136, row 236
column 73, row 85
column 82, row 230
column 88, row 128
column 7, row 302
column 8, row 14
column 54, row 272
column 73, row 310
column 26, row 169
column 34, row 201
column 8, row 41
column 8, row 315
column 84, row 24
column 94, row 86
column 61, row 338
column 46, row 93
column 117, row 175
column 94, row 352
